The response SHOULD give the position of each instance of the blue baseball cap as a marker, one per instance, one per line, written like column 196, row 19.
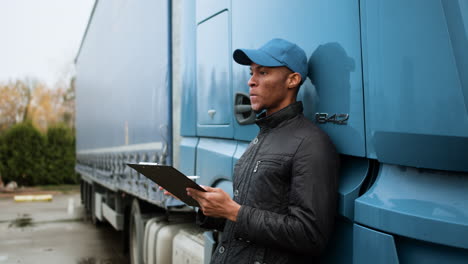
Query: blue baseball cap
column 275, row 53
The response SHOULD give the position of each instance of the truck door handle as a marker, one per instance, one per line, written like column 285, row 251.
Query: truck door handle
column 211, row 113
column 243, row 109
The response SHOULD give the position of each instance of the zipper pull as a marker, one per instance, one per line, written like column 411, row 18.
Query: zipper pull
column 256, row 165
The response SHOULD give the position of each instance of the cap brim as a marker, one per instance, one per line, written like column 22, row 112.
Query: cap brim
column 247, row 56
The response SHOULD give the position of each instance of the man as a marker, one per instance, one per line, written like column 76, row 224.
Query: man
column 285, row 184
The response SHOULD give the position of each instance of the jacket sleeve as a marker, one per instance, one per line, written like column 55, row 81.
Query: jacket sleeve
column 210, row 222
column 312, row 204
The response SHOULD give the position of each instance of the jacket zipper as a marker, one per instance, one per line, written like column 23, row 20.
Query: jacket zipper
column 260, row 161
column 256, row 165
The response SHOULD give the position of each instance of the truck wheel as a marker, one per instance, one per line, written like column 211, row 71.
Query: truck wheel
column 85, row 197
column 82, row 186
column 135, row 234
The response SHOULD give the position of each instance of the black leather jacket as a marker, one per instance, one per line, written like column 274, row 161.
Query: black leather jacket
column 286, row 184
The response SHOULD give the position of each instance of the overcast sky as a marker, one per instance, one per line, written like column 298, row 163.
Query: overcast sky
column 40, row 38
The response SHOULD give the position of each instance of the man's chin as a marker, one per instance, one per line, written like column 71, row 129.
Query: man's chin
column 258, row 110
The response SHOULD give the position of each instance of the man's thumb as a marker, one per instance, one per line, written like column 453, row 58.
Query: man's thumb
column 208, row 189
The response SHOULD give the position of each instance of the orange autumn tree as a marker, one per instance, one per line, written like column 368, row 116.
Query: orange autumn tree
column 52, row 106
column 46, row 107
column 33, row 100
column 15, row 97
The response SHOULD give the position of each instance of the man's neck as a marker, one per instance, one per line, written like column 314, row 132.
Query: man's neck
column 283, row 105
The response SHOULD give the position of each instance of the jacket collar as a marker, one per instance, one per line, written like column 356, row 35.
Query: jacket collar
column 273, row 120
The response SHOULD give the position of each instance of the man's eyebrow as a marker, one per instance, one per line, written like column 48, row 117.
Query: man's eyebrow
column 256, row 67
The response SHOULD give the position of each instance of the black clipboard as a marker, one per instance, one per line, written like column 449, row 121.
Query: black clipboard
column 170, row 179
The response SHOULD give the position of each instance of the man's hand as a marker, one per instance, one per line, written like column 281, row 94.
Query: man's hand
column 167, row 193
column 215, row 202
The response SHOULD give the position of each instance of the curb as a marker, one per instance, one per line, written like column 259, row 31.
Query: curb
column 33, row 198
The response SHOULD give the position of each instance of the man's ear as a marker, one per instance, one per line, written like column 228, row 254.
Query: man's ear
column 294, row 80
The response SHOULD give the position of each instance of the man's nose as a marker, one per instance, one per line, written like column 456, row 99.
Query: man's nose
column 252, row 82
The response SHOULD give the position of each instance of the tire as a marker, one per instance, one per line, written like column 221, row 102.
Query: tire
column 89, row 190
column 82, row 186
column 135, row 237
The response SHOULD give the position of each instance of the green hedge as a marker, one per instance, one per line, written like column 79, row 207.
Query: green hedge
column 30, row 158
column 61, row 155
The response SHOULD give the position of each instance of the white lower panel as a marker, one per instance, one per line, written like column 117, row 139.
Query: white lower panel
column 114, row 218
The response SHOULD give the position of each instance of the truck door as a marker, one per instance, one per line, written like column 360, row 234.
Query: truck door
column 329, row 32
column 214, row 114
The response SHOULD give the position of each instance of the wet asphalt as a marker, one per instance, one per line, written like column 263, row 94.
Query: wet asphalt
column 55, row 232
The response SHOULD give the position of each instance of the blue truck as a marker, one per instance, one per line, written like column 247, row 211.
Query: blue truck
column 388, row 82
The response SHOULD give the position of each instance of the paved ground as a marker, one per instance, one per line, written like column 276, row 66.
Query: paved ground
column 55, row 232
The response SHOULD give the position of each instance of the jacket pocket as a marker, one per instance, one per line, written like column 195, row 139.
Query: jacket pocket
column 269, row 185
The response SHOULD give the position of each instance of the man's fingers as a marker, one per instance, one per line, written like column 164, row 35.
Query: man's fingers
column 192, row 192
column 196, row 194
column 167, row 193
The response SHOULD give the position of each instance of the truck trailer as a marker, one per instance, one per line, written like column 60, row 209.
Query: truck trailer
column 388, row 82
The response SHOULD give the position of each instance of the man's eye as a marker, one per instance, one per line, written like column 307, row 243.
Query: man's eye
column 251, row 73
column 263, row 72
